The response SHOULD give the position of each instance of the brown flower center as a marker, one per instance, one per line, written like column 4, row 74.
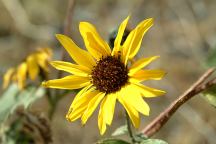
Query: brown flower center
column 109, row 75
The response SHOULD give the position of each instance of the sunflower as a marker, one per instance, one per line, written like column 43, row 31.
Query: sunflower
column 34, row 64
column 106, row 76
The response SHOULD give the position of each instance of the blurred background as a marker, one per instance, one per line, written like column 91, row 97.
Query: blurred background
column 184, row 34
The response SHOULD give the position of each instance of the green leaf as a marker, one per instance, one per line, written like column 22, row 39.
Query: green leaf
column 153, row 141
column 120, row 131
column 9, row 141
column 112, row 141
column 211, row 58
column 140, row 137
column 210, row 95
column 13, row 97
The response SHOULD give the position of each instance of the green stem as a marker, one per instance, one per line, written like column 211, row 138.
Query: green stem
column 53, row 105
column 130, row 132
column 50, row 97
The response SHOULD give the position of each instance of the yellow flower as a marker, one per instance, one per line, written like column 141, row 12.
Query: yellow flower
column 7, row 77
column 107, row 76
column 31, row 67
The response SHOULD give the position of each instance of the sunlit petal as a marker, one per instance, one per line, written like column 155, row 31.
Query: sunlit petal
column 134, row 98
column 132, row 112
column 33, row 68
column 148, row 91
column 7, row 77
column 143, row 75
column 78, row 70
column 21, row 75
column 79, row 55
column 119, row 36
column 68, row 82
column 93, row 42
column 109, row 107
column 127, row 46
column 141, row 29
column 80, row 94
column 42, row 60
column 77, row 109
column 141, row 63
column 75, row 114
column 87, row 96
column 92, row 106
column 101, row 118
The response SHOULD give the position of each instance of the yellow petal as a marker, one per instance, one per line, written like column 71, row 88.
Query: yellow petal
column 126, row 48
column 142, row 28
column 68, row 82
column 101, row 119
column 106, row 112
column 134, row 98
column 82, row 92
column 92, row 106
column 21, row 75
column 42, row 60
column 86, row 97
column 147, row 91
column 77, row 109
column 132, row 112
column 78, row 70
column 109, row 107
column 119, row 36
column 141, row 63
column 47, row 50
column 33, row 68
column 7, row 77
column 75, row 114
column 79, row 55
column 14, row 76
column 93, row 42
column 142, row 75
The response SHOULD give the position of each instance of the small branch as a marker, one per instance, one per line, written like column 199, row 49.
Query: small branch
column 67, row 31
column 67, row 27
column 196, row 88
column 68, row 19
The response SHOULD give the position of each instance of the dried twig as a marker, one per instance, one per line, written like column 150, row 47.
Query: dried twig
column 67, row 31
column 68, row 19
column 67, row 27
column 196, row 88
column 195, row 119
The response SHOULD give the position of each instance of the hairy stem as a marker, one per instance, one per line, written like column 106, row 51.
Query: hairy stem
column 130, row 132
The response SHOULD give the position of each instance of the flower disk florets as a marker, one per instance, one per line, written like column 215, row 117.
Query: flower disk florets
column 109, row 75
